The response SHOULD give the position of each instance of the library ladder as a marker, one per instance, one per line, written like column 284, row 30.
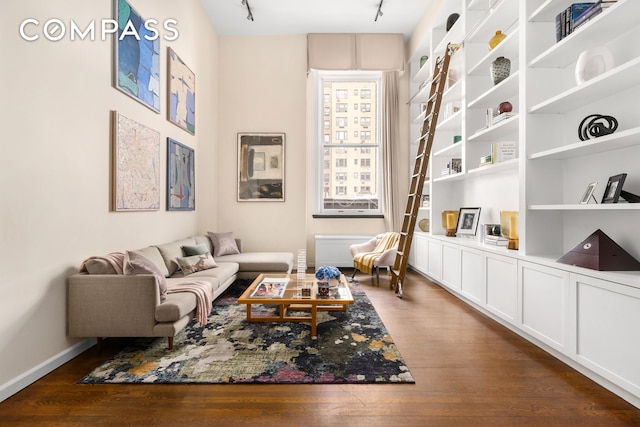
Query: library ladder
column 420, row 168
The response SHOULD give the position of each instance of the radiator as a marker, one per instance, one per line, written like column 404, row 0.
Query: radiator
column 334, row 249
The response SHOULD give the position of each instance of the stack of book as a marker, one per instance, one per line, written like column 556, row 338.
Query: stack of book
column 501, row 117
column 486, row 160
column 593, row 11
column 496, row 240
column 454, row 166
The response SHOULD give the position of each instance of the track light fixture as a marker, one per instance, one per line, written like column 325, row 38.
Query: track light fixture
column 379, row 12
column 249, row 14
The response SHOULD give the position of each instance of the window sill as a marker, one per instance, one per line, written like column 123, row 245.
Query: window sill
column 347, row 216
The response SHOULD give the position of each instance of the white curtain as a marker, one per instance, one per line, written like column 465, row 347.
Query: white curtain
column 392, row 206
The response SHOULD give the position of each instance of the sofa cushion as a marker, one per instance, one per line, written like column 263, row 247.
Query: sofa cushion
column 153, row 254
column 223, row 244
column 99, row 266
column 204, row 240
column 134, row 264
column 215, row 276
column 171, row 251
column 197, row 249
column 176, row 306
column 195, row 263
column 260, row 261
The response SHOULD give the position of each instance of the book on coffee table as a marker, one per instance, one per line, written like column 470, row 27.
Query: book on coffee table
column 270, row 287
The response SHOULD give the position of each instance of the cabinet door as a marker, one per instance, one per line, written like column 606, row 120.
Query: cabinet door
column 502, row 285
column 472, row 270
column 435, row 259
column 421, row 251
column 544, row 303
column 451, row 266
column 607, row 316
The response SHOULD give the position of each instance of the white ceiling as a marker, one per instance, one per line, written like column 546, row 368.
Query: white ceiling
column 278, row 17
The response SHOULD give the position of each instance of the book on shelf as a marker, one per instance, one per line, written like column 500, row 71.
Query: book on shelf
column 502, row 151
column 270, row 287
column 496, row 240
column 486, row 160
column 592, row 12
column 502, row 116
column 565, row 20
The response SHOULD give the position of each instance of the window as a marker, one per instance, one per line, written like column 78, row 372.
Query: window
column 352, row 163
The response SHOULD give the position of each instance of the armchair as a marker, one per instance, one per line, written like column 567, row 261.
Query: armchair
column 377, row 252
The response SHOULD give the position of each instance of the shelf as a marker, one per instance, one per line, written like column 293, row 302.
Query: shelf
column 451, row 123
column 450, row 178
column 508, row 48
column 587, row 207
column 453, row 93
column 450, row 150
column 498, row 93
column 424, row 73
column 454, row 35
column 549, row 9
column 605, row 85
column 499, row 130
column 619, row 17
column 505, row 166
column 503, row 15
column 615, row 141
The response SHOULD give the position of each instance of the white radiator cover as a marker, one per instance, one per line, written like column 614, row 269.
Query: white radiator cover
column 333, row 249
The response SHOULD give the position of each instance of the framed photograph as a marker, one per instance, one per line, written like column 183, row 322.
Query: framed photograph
column 261, row 167
column 182, row 94
column 468, row 219
column 136, row 62
column 588, row 194
column 613, row 189
column 181, row 177
column 136, row 166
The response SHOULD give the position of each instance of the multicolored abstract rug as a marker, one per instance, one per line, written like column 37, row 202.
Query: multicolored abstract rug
column 351, row 347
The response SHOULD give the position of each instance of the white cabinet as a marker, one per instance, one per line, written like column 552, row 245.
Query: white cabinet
column 451, row 265
column 434, row 268
column 502, row 285
column 472, row 283
column 544, row 304
column 420, row 251
column 607, row 316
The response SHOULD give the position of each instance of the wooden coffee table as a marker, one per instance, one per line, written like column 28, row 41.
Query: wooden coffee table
column 292, row 300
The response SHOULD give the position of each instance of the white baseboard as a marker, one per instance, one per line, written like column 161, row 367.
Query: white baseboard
column 10, row 388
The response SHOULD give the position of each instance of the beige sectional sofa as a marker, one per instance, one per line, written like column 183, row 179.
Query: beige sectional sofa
column 103, row 303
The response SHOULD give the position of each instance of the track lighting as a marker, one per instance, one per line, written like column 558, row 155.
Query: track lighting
column 379, row 12
column 249, row 14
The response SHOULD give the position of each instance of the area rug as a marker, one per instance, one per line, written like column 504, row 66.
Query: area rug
column 351, row 347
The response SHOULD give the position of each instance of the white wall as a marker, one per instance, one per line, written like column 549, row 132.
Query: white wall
column 55, row 176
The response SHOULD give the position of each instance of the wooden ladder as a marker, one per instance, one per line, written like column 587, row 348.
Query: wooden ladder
column 420, row 168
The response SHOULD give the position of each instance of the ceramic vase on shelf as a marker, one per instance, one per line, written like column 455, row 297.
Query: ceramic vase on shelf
column 505, row 107
column 450, row 222
column 496, row 39
column 593, row 62
column 423, row 60
column 500, row 69
column 452, row 20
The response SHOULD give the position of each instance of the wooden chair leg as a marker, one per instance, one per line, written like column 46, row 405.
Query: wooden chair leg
column 377, row 275
column 99, row 344
column 170, row 343
column 355, row 270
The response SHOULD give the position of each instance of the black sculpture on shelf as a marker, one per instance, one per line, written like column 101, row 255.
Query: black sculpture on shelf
column 596, row 125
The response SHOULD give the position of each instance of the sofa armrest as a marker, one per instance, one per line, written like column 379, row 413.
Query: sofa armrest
column 359, row 248
column 112, row 305
column 388, row 257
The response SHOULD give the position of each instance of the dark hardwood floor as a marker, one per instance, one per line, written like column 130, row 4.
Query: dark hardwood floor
column 469, row 371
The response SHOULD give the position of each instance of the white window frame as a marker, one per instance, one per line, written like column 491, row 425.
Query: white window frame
column 320, row 144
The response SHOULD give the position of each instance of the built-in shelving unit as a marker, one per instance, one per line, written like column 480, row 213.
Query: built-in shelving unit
column 567, row 310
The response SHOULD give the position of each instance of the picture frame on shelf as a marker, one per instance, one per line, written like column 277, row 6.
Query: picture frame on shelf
column 613, row 188
column 588, row 193
column 468, row 219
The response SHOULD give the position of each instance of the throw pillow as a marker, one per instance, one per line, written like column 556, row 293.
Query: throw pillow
column 195, row 249
column 194, row 263
column 134, row 263
column 223, row 244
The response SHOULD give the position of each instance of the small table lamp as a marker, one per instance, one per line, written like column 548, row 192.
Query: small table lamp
column 450, row 222
column 509, row 227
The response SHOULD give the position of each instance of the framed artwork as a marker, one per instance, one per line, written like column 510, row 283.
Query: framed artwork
column 468, row 219
column 182, row 94
column 613, row 189
column 136, row 166
column 261, row 167
column 181, row 177
column 136, row 62
column 588, row 193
